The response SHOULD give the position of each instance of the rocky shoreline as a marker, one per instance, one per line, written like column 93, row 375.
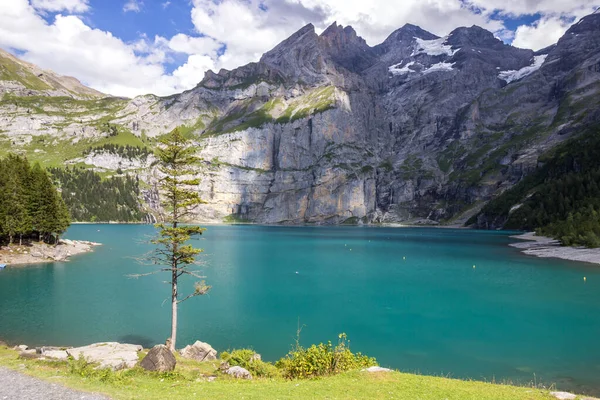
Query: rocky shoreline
column 544, row 247
column 36, row 253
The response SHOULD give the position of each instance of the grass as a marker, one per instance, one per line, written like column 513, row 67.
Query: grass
column 64, row 106
column 241, row 117
column 53, row 152
column 188, row 382
column 12, row 71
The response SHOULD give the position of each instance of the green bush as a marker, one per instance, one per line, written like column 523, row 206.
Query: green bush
column 245, row 358
column 322, row 360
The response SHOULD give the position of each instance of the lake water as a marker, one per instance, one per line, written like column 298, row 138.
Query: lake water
column 410, row 297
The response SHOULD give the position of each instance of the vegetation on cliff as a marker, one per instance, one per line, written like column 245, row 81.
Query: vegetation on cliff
column 561, row 199
column 30, row 206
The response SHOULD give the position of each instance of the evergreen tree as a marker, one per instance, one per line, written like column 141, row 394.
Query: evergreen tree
column 176, row 160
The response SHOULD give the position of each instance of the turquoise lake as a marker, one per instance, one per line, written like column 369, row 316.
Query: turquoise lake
column 408, row 296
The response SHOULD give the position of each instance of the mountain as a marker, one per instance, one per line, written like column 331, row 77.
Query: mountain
column 22, row 78
column 326, row 129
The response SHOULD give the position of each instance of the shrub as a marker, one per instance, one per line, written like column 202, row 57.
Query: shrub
column 322, row 360
column 245, row 358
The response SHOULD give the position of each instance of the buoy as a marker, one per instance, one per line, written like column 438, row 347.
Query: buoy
column 296, row 271
column 584, row 279
column 473, row 267
column 404, row 258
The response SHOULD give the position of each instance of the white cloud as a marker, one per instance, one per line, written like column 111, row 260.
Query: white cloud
column 230, row 33
column 99, row 59
column 73, row 6
column 541, row 34
column 133, row 5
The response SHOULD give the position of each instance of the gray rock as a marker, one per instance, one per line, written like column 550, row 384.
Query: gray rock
column 109, row 354
column 563, row 395
column 160, row 359
column 238, row 372
column 56, row 354
column 255, row 357
column 199, row 351
column 377, row 369
column 22, row 347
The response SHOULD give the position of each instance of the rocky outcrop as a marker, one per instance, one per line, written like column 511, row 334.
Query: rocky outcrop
column 159, row 359
column 199, row 351
column 111, row 355
column 239, row 372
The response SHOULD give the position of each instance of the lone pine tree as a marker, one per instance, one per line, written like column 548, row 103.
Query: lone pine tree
column 176, row 160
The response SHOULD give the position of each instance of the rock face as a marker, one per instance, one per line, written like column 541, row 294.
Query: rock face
column 238, row 372
column 159, row 359
column 199, row 351
column 109, row 355
column 325, row 129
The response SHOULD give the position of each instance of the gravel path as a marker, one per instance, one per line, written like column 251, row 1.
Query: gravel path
column 17, row 386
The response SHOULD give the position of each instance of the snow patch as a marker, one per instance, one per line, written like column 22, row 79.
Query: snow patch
column 396, row 70
column 511, row 76
column 436, row 47
column 440, row 67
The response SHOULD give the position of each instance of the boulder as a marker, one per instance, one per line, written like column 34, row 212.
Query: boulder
column 255, row 357
column 36, row 254
column 377, row 369
column 109, row 355
column 56, row 354
column 160, row 359
column 239, row 372
column 199, row 351
column 22, row 347
column 563, row 395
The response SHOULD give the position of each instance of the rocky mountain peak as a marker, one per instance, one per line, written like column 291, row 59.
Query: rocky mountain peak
column 340, row 36
column 407, row 34
column 589, row 23
column 475, row 36
column 346, row 48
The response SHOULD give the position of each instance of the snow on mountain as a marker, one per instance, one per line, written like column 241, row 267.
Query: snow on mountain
column 440, row 67
column 396, row 70
column 511, row 76
column 436, row 47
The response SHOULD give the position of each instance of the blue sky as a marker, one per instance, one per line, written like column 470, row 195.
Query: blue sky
column 133, row 47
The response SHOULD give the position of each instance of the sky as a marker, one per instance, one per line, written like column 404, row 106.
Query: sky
column 136, row 47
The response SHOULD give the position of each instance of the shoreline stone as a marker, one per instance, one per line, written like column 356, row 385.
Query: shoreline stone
column 160, row 359
column 199, row 351
column 108, row 354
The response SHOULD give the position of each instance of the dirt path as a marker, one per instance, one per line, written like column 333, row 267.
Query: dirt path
column 17, row 386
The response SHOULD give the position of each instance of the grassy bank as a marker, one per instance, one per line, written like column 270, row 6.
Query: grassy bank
column 189, row 381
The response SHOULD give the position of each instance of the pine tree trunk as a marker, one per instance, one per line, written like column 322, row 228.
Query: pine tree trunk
column 174, row 310
column 20, row 240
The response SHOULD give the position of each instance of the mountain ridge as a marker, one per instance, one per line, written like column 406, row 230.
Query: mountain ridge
column 325, row 129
